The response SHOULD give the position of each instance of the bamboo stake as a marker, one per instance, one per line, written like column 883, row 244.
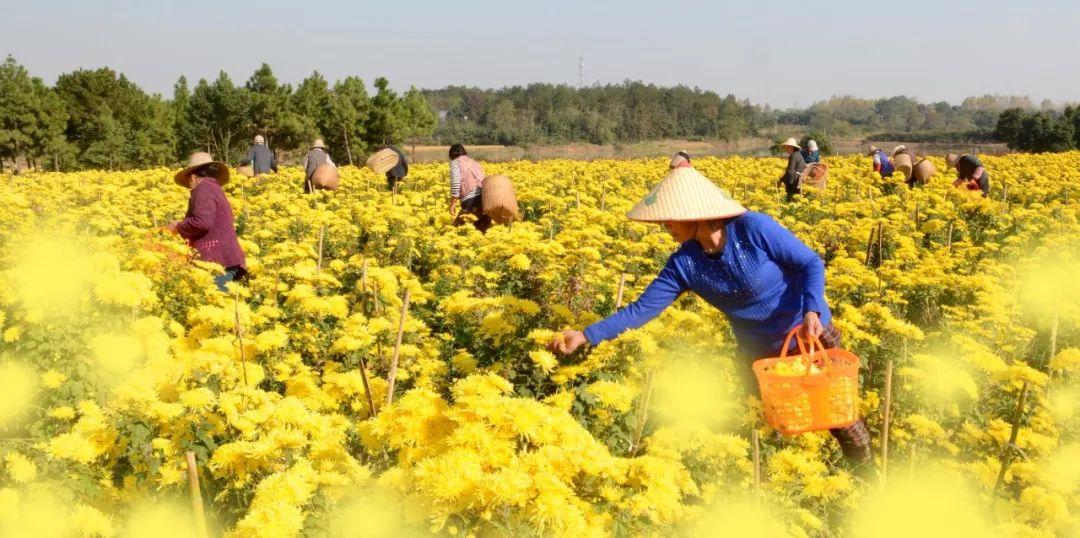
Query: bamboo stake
column 1054, row 333
column 363, row 277
column 367, row 388
column 880, row 243
column 870, row 246
column 196, row 496
column 756, row 437
column 1006, row 453
column 619, row 293
column 886, row 420
column 392, row 376
column 322, row 234
column 948, row 244
column 643, row 413
column 240, row 337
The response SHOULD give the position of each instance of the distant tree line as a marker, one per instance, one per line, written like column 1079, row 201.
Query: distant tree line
column 100, row 119
column 627, row 112
column 1038, row 131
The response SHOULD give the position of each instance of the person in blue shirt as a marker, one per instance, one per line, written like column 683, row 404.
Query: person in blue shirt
column 763, row 278
column 811, row 154
column 882, row 164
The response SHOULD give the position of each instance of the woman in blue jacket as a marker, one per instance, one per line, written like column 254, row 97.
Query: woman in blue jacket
column 763, row 278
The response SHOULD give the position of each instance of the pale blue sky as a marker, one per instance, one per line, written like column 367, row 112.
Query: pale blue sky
column 780, row 52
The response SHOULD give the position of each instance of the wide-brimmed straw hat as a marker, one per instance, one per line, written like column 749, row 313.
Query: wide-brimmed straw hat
column 791, row 142
column 870, row 152
column 896, row 151
column 952, row 158
column 685, row 195
column 318, row 143
column 196, row 160
column 812, row 145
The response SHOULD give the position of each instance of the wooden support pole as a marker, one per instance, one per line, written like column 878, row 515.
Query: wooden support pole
column 880, row 243
column 322, row 235
column 886, row 421
column 240, row 337
column 1007, row 451
column 392, row 376
column 619, row 293
column 756, row 438
column 363, row 276
column 367, row 388
column 643, row 413
column 870, row 246
column 196, row 496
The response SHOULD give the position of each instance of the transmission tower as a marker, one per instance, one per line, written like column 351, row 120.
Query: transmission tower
column 580, row 71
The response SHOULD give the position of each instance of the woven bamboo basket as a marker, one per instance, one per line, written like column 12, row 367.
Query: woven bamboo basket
column 383, row 160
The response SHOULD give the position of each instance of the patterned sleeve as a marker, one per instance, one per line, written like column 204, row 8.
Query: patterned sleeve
column 455, row 179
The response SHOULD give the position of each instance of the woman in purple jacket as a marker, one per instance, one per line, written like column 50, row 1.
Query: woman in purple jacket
column 763, row 278
column 208, row 224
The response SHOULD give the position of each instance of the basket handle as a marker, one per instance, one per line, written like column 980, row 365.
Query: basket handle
column 802, row 344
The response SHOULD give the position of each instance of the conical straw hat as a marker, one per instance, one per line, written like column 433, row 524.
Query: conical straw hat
column 685, row 195
column 898, row 149
column 951, row 159
column 196, row 160
column 791, row 142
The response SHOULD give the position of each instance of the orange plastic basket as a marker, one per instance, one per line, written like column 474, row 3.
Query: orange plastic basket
column 812, row 401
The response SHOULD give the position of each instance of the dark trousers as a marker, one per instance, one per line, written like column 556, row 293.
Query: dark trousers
column 231, row 273
column 474, row 206
column 854, row 440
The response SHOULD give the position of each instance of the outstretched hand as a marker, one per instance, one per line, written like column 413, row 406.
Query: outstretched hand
column 567, row 342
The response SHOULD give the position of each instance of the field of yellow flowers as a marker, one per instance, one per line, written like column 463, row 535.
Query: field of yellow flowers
column 118, row 357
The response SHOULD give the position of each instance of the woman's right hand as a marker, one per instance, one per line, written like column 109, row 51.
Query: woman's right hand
column 567, row 342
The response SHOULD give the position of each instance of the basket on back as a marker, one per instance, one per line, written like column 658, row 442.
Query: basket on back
column 818, row 389
column 903, row 164
column 248, row 170
column 924, row 170
column 815, row 174
column 499, row 200
column 383, row 161
column 325, row 177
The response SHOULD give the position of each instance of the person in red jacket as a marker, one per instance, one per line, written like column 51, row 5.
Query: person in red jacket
column 208, row 225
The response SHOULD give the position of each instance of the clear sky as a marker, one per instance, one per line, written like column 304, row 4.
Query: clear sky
column 780, row 52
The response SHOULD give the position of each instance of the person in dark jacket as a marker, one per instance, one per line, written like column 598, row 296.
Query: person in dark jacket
column 396, row 174
column 208, row 225
column 882, row 164
column 764, row 280
column 315, row 157
column 811, row 154
column 792, row 178
column 970, row 173
column 260, row 157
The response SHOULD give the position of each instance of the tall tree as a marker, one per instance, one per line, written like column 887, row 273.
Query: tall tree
column 343, row 123
column 269, row 104
column 219, row 114
column 184, row 132
column 384, row 123
column 309, row 103
column 49, row 146
column 418, row 120
column 17, row 105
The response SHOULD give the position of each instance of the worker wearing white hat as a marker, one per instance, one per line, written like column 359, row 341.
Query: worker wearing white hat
column 764, row 279
column 811, row 154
